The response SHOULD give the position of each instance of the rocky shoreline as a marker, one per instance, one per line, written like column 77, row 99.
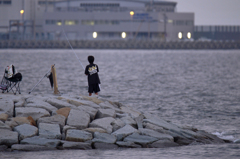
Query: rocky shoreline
column 50, row 122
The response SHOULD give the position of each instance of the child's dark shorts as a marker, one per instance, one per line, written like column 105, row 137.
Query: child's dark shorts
column 93, row 88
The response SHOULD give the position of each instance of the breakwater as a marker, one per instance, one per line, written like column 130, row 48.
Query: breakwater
column 118, row 44
column 34, row 123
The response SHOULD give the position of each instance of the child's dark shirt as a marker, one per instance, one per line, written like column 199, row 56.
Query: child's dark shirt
column 92, row 72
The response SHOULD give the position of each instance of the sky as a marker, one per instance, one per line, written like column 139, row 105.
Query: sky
column 211, row 12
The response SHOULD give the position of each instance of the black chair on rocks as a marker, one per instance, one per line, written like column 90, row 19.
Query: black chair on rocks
column 11, row 80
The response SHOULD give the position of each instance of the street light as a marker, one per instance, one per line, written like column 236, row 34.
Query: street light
column 21, row 12
column 189, row 35
column 131, row 14
column 124, row 35
column 180, row 35
column 94, row 35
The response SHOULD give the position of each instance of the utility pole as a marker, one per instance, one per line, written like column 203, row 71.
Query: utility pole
column 150, row 10
column 34, row 18
column 165, row 26
column 23, row 24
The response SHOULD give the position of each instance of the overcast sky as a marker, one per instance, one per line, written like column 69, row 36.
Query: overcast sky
column 211, row 12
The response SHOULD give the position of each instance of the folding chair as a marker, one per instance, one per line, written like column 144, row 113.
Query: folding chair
column 12, row 83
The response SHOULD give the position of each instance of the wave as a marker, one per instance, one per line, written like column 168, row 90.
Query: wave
column 224, row 136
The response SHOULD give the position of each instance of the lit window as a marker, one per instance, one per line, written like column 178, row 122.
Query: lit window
column 94, row 35
column 88, row 22
column 180, row 35
column 59, row 22
column 189, row 35
column 170, row 21
column 99, row 22
column 71, row 22
column 124, row 35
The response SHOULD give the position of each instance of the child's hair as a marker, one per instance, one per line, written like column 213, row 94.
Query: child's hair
column 90, row 59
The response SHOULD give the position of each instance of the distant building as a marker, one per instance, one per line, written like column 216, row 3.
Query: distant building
column 112, row 19
column 23, row 19
column 94, row 19
column 204, row 33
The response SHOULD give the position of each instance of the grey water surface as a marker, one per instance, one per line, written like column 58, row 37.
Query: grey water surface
column 186, row 87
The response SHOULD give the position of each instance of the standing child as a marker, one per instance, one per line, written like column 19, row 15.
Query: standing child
column 93, row 79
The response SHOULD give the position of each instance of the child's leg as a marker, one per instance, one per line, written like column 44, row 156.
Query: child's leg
column 90, row 89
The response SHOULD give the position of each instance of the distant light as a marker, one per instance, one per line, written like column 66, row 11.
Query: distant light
column 170, row 21
column 59, row 23
column 21, row 11
column 124, row 35
column 70, row 22
column 180, row 35
column 94, row 35
column 189, row 35
column 132, row 13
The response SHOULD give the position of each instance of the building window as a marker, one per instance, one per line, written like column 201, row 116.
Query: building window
column 225, row 28
column 59, row 22
column 220, row 29
column 87, row 22
column 6, row 2
column 45, row 2
column 50, row 22
column 100, row 22
column 70, row 22
column 183, row 22
column 237, row 29
column 189, row 22
column 99, row 5
column 206, row 29
column 214, row 29
column 53, row 22
column 197, row 28
column 180, row 22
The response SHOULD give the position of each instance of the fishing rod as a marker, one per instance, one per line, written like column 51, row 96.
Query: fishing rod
column 72, row 48
column 75, row 53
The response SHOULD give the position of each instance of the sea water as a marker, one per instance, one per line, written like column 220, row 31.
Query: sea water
column 196, row 88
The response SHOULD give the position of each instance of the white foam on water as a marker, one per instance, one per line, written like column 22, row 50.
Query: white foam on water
column 222, row 135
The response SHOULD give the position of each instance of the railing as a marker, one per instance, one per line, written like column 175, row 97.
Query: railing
column 84, row 44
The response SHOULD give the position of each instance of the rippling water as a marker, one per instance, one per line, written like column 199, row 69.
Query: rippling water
column 186, row 87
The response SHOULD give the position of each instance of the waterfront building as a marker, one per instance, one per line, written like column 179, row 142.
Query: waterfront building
column 95, row 19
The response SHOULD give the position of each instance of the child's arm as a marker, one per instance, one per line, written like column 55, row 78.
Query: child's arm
column 86, row 71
